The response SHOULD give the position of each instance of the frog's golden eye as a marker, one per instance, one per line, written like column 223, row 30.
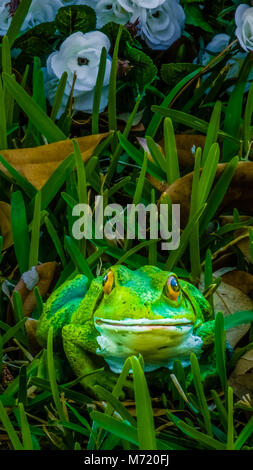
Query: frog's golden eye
column 172, row 289
column 108, row 282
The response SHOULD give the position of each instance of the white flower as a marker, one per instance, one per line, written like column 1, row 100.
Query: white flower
column 80, row 54
column 5, row 17
column 41, row 12
column 162, row 26
column 244, row 23
column 110, row 10
column 131, row 5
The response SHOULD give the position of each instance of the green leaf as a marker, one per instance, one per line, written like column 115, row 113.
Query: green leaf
column 172, row 73
column 73, row 18
column 195, row 17
column 144, row 70
column 238, row 318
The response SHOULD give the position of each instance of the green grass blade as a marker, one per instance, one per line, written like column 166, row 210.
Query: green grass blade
column 212, row 131
column 144, row 412
column 195, row 370
column 10, row 429
column 175, row 255
column 3, row 128
column 230, row 434
column 59, row 96
column 244, row 435
column 218, row 193
column 25, row 429
column 170, row 148
column 119, row 428
column 112, row 111
column 219, row 343
column 56, row 240
column 247, row 130
column 18, row 20
column 20, row 231
column 39, row 118
column 77, row 257
column 35, row 236
column 98, row 91
column 157, row 119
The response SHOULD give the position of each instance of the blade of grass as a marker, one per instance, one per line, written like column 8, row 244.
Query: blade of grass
column 98, row 91
column 144, row 412
column 18, row 20
column 59, row 96
column 219, row 343
column 157, row 119
column 112, row 111
column 20, row 231
column 10, row 429
column 3, row 128
column 212, row 131
column 25, row 429
column 170, row 148
column 175, row 256
column 195, row 370
column 35, row 235
column 120, row 429
column 247, row 130
column 230, row 433
column 40, row 120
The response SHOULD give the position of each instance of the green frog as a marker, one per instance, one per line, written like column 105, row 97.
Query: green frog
column 122, row 313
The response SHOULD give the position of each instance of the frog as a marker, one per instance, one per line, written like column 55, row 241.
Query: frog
column 146, row 312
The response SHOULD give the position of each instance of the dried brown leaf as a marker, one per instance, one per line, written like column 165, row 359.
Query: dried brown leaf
column 37, row 164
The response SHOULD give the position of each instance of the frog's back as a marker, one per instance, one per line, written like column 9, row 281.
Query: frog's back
column 60, row 307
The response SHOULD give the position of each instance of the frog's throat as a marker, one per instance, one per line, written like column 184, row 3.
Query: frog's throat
column 160, row 342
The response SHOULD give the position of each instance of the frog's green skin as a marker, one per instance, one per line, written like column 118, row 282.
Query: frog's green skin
column 101, row 329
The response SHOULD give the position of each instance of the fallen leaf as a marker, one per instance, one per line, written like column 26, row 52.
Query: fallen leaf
column 5, row 224
column 46, row 273
column 239, row 194
column 229, row 299
column 31, row 328
column 240, row 279
column 37, row 164
column 241, row 378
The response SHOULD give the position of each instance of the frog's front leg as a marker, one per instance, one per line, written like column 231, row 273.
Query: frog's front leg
column 80, row 345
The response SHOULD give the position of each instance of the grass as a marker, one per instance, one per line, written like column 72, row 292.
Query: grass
column 41, row 406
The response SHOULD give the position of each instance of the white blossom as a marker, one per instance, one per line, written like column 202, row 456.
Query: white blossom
column 162, row 26
column 244, row 23
column 5, row 17
column 80, row 54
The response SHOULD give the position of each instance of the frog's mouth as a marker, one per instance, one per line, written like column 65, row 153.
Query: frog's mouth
column 158, row 341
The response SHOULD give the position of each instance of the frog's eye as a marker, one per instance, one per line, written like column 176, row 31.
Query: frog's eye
column 108, row 282
column 172, row 289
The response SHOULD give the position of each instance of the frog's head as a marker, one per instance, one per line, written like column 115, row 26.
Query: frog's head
column 149, row 312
